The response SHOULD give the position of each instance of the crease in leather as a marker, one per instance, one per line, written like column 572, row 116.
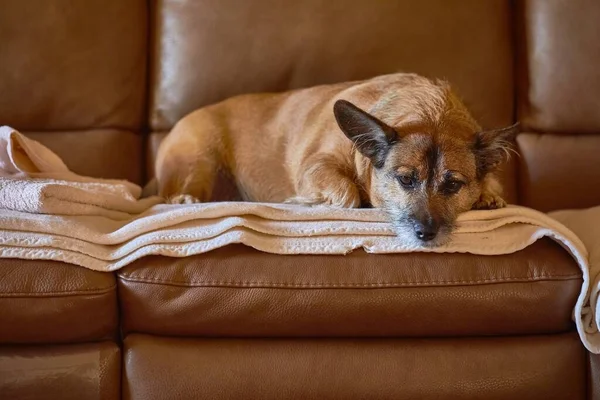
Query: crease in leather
column 70, row 293
column 252, row 284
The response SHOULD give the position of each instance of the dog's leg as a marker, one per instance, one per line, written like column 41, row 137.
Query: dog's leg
column 187, row 163
column 324, row 181
column 188, row 178
column 491, row 194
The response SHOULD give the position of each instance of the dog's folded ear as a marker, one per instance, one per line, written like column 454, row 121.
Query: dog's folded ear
column 371, row 136
column 494, row 146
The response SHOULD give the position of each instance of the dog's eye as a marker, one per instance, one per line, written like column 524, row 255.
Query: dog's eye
column 406, row 180
column 452, row 187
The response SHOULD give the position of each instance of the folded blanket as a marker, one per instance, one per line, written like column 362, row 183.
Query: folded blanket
column 35, row 180
column 96, row 241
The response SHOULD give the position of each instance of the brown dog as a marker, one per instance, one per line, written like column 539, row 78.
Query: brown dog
column 400, row 142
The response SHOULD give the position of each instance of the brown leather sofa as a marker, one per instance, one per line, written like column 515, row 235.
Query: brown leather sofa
column 100, row 82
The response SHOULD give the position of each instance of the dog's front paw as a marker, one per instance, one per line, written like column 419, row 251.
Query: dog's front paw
column 182, row 199
column 347, row 197
column 489, row 201
column 304, row 201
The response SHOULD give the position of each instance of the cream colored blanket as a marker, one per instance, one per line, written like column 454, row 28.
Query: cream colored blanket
column 33, row 179
column 106, row 234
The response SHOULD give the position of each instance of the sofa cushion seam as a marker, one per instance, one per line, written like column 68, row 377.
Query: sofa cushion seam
column 60, row 293
column 347, row 284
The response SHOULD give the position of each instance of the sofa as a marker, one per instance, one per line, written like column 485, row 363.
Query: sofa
column 100, row 82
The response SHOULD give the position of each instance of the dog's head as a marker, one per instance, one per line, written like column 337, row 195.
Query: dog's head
column 424, row 175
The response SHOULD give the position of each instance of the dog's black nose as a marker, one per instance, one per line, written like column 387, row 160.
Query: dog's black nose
column 426, row 232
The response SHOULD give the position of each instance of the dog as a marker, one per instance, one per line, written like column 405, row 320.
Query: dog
column 400, row 142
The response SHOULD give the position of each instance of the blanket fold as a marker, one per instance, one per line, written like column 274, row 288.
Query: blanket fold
column 50, row 213
column 35, row 180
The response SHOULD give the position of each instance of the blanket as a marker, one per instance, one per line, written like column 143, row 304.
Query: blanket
column 110, row 235
column 35, row 180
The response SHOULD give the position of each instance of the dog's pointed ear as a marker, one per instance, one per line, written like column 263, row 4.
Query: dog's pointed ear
column 494, row 146
column 371, row 136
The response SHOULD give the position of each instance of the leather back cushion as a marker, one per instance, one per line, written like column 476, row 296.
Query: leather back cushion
column 559, row 86
column 73, row 76
column 70, row 65
column 207, row 50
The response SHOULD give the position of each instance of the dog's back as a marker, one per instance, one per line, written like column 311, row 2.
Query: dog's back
column 262, row 139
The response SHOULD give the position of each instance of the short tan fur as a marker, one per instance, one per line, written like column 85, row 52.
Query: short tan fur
column 400, row 142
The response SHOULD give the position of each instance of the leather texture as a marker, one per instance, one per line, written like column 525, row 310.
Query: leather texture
column 66, row 372
column 205, row 51
column 594, row 377
column 53, row 302
column 560, row 78
column 534, row 367
column 102, row 153
column 154, row 140
column 559, row 171
column 72, row 65
column 237, row 291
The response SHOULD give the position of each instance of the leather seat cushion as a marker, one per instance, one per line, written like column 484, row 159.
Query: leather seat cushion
column 238, row 291
column 54, row 302
column 530, row 367
column 65, row 372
